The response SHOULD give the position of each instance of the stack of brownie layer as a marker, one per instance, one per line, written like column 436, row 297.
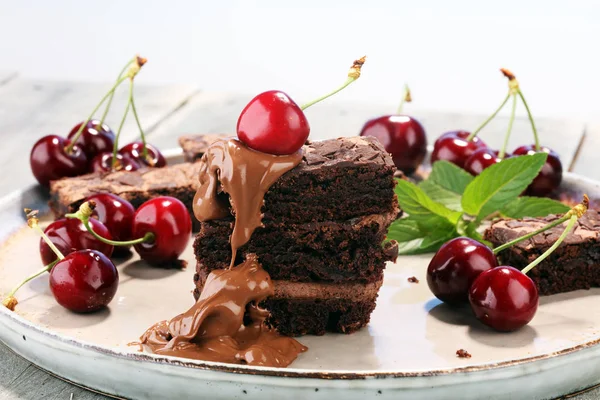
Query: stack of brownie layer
column 575, row 264
column 324, row 225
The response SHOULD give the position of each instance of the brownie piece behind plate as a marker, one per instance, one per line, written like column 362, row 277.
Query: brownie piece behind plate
column 179, row 181
column 574, row 265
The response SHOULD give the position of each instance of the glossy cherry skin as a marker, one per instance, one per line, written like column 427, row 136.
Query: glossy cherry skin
column 84, row 281
column 481, row 159
column 550, row 176
column 69, row 235
column 135, row 151
column 455, row 266
column 273, row 123
column 169, row 220
column 504, row 298
column 103, row 163
column 453, row 147
column 94, row 138
column 49, row 160
column 401, row 136
column 116, row 214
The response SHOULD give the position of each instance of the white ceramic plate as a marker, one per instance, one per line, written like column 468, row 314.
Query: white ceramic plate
column 408, row 351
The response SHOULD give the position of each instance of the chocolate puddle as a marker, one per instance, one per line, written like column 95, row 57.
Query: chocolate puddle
column 245, row 175
column 225, row 324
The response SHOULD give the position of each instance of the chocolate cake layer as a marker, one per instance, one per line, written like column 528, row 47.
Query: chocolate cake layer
column 316, row 251
column 179, row 181
column 194, row 146
column 574, row 265
column 336, row 180
column 301, row 308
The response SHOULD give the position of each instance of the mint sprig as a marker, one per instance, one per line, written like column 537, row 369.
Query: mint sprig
column 452, row 203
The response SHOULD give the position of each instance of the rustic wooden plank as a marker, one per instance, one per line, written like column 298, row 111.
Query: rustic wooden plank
column 20, row 380
column 587, row 159
column 7, row 76
column 30, row 109
column 218, row 112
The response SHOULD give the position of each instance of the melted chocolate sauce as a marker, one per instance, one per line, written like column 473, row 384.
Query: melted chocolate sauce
column 225, row 324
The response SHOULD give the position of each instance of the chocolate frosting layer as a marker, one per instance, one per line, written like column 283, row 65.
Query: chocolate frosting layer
column 226, row 324
column 245, row 175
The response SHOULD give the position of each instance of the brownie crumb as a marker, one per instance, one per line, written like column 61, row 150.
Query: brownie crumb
column 413, row 279
column 462, row 353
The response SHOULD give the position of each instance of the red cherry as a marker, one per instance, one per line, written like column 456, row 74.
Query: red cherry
column 116, row 214
column 135, row 151
column 169, row 220
column 401, row 136
column 273, row 123
column 455, row 266
column 84, row 281
column 94, row 138
column 69, row 235
column 50, row 161
column 481, row 159
column 504, row 298
column 453, row 147
column 103, row 163
column 549, row 178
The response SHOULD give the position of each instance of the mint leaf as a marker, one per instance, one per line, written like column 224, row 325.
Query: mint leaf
column 404, row 230
column 421, row 208
column 432, row 242
column 533, row 207
column 442, row 195
column 500, row 184
column 450, row 176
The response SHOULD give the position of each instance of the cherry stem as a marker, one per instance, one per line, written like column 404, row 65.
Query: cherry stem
column 69, row 148
column 510, row 125
column 137, row 120
column 33, row 223
column 32, row 276
column 576, row 211
column 85, row 212
column 353, row 75
column 116, row 144
column 110, row 99
column 535, row 134
column 487, row 121
column 407, row 98
column 560, row 239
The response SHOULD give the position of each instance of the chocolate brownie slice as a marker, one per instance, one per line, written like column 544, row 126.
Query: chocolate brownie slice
column 316, row 251
column 574, row 265
column 194, row 146
column 324, row 222
column 179, row 181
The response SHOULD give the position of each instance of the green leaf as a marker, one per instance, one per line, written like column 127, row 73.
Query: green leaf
column 421, row 208
column 449, row 176
column 443, row 196
column 500, row 184
column 533, row 207
column 404, row 230
column 432, row 242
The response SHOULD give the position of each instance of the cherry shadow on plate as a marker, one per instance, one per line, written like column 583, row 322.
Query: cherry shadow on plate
column 59, row 317
column 460, row 315
column 141, row 270
column 485, row 335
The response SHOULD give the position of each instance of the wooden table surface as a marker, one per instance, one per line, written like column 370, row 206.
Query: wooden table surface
column 30, row 109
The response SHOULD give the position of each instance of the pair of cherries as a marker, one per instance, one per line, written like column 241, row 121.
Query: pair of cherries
column 473, row 155
column 502, row 297
column 54, row 157
column 82, row 276
column 465, row 270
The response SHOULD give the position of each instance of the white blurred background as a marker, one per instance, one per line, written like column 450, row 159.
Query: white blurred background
column 448, row 51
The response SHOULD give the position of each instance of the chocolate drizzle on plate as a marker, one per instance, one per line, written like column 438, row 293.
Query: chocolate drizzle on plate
column 226, row 324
